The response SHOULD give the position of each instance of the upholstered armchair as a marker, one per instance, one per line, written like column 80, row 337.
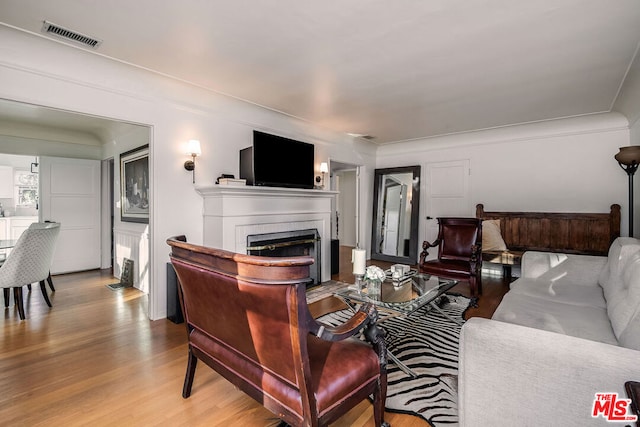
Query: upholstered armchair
column 29, row 262
column 247, row 318
column 459, row 246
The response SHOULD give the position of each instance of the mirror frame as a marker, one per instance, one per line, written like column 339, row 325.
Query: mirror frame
column 412, row 259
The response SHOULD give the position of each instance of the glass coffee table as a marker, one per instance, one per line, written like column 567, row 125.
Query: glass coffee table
column 400, row 297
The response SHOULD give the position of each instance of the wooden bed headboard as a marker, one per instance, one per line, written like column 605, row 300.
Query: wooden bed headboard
column 577, row 233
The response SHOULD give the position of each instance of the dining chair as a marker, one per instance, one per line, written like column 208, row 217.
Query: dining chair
column 29, row 262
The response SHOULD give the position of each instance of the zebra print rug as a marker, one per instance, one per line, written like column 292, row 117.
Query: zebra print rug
column 427, row 342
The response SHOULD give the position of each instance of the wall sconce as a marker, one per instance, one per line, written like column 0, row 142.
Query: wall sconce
column 324, row 168
column 628, row 158
column 35, row 165
column 193, row 149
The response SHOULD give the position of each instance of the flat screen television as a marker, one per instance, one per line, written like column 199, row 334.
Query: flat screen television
column 275, row 161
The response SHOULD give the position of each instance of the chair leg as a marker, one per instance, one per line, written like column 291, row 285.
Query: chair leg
column 43, row 288
column 7, row 295
column 29, row 286
column 50, row 281
column 191, row 370
column 475, row 283
column 17, row 297
column 379, row 398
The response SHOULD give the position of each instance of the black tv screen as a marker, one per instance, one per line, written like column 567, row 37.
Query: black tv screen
column 281, row 162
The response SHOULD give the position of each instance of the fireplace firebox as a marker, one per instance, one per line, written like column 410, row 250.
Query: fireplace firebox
column 287, row 244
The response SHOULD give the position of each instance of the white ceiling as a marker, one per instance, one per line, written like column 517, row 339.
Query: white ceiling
column 396, row 70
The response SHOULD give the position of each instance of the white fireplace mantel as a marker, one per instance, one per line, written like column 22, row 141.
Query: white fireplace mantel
column 231, row 213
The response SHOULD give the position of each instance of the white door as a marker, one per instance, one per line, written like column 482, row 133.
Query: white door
column 70, row 195
column 447, row 195
column 393, row 198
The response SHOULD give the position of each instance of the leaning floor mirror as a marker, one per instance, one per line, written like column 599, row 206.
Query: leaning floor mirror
column 396, row 202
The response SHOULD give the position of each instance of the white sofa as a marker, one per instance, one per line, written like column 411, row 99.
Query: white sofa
column 567, row 329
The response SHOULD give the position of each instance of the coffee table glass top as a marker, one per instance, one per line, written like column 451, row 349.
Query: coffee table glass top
column 404, row 296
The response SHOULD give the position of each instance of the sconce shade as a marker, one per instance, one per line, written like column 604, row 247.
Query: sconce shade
column 324, row 168
column 628, row 155
column 193, row 148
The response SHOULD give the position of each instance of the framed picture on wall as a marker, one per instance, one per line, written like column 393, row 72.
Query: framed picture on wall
column 134, row 185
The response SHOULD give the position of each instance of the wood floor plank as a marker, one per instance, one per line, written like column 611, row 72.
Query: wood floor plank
column 95, row 359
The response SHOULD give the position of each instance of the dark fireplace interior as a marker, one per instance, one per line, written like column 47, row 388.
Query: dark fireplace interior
column 287, row 244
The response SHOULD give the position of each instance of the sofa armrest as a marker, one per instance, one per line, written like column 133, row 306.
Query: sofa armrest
column 515, row 375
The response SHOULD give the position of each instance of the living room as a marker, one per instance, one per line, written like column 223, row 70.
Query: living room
column 562, row 162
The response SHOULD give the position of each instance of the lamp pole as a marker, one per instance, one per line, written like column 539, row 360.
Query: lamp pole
column 628, row 158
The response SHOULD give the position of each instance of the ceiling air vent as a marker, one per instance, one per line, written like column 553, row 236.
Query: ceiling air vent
column 51, row 28
column 361, row 135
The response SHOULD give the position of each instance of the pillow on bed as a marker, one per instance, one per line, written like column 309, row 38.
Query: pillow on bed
column 491, row 237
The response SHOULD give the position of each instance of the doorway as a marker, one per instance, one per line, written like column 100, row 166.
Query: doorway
column 80, row 136
column 345, row 221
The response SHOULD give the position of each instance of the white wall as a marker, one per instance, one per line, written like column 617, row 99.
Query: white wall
column 43, row 72
column 347, row 207
column 557, row 166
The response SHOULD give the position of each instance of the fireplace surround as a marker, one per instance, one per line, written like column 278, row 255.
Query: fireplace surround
column 232, row 213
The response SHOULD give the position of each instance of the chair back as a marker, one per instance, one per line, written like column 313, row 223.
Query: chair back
column 457, row 237
column 254, row 307
column 30, row 259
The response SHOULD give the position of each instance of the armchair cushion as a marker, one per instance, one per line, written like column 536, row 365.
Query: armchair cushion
column 338, row 368
column 454, row 269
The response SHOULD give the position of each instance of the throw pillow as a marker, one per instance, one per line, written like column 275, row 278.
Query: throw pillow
column 491, row 237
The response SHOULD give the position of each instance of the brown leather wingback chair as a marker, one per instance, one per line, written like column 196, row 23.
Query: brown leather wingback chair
column 459, row 246
column 247, row 318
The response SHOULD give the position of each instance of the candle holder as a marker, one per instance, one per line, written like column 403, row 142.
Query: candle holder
column 360, row 283
column 374, row 289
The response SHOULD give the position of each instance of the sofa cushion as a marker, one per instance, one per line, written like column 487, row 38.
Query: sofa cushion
column 491, row 237
column 610, row 277
column 561, row 291
column 535, row 264
column 569, row 319
column 623, row 311
column 563, row 268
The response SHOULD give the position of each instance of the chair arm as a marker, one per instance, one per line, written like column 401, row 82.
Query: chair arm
column 366, row 317
column 351, row 327
column 426, row 245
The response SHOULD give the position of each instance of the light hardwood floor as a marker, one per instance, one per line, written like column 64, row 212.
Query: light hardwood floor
column 95, row 359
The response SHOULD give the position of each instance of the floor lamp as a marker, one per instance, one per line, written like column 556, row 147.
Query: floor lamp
column 628, row 158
